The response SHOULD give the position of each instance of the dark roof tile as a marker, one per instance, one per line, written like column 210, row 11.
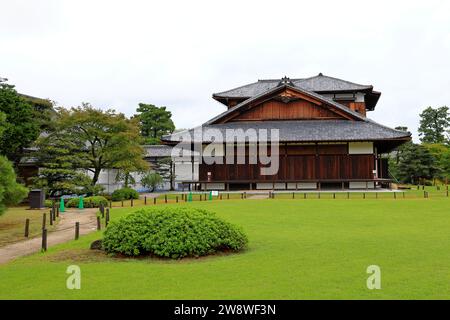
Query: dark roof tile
column 308, row 130
column 319, row 83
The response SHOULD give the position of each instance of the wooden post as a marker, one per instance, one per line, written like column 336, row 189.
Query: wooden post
column 220, row 196
column 228, row 196
column 348, row 195
column 304, row 195
column 122, row 203
column 165, row 198
column 57, row 212
column 107, row 215
column 364, row 195
column 99, row 224
column 395, row 195
column 44, row 218
column 334, row 195
column 293, row 195
column 77, row 230
column 110, row 204
column 50, row 220
column 44, row 240
column 27, row 228
column 145, row 200
column 154, row 200
column 318, row 195
column 132, row 202
column 106, row 221
column 176, row 199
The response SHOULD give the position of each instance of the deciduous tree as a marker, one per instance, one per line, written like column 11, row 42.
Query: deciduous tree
column 98, row 140
column 21, row 125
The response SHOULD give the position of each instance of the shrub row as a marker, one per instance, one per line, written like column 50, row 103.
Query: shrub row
column 173, row 233
column 89, row 202
column 124, row 194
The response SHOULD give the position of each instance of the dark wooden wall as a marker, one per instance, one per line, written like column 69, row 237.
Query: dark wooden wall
column 314, row 162
column 294, row 110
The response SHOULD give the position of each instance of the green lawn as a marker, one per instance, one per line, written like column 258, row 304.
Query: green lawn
column 12, row 224
column 298, row 250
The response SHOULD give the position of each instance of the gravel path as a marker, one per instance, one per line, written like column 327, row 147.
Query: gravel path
column 258, row 196
column 64, row 232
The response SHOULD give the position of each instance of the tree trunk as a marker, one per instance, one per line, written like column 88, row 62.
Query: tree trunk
column 171, row 177
column 125, row 182
column 96, row 175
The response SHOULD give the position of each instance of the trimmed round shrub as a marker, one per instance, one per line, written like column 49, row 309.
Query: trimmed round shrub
column 172, row 233
column 124, row 194
column 89, row 202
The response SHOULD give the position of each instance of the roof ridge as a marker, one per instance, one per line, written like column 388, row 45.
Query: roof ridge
column 334, row 78
column 278, row 80
column 245, row 85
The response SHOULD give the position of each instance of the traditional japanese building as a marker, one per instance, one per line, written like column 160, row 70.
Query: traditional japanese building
column 325, row 138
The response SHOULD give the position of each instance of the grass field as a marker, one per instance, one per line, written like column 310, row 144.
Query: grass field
column 414, row 193
column 12, row 224
column 298, row 250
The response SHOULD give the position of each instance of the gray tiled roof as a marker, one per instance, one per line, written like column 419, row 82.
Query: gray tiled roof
column 307, row 130
column 157, row 150
column 280, row 87
column 319, row 83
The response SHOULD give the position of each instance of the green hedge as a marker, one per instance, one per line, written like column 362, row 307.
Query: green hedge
column 172, row 232
column 124, row 194
column 89, row 202
column 48, row 203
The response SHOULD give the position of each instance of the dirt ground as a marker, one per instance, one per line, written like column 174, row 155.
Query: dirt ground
column 65, row 231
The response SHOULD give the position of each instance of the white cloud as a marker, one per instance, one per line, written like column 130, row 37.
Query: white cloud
column 177, row 53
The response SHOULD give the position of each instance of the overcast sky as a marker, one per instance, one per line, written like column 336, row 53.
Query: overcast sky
column 177, row 53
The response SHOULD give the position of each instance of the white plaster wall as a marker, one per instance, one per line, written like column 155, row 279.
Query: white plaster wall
column 264, row 186
column 214, row 186
column 183, row 171
column 360, row 97
column 361, row 185
column 360, row 148
column 307, row 185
